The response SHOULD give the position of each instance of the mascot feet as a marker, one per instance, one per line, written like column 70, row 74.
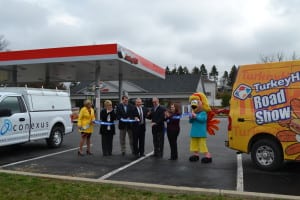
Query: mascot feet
column 206, row 160
column 194, row 158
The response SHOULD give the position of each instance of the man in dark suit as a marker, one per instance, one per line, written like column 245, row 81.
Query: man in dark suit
column 124, row 111
column 157, row 116
column 139, row 128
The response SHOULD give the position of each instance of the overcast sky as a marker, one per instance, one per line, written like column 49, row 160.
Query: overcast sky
column 168, row 32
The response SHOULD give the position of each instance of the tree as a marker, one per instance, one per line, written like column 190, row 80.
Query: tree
column 168, row 70
column 279, row 57
column 224, row 80
column 180, row 70
column 214, row 73
column 174, row 70
column 186, row 70
column 294, row 56
column 232, row 76
column 3, row 43
column 196, row 70
column 203, row 71
column 225, row 99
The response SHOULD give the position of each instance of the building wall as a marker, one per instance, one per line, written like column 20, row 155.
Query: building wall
column 211, row 91
column 165, row 98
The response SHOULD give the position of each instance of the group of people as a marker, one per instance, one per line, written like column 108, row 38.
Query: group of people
column 132, row 122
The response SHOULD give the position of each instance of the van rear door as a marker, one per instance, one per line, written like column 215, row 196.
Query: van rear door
column 14, row 121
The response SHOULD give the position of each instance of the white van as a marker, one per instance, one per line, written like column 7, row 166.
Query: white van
column 28, row 114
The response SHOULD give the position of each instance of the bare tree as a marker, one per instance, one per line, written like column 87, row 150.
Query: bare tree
column 279, row 57
column 294, row 56
column 267, row 59
column 264, row 59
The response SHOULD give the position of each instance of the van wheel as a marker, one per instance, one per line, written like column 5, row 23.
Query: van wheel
column 56, row 137
column 267, row 155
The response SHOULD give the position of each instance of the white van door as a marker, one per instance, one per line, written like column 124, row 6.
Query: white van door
column 14, row 121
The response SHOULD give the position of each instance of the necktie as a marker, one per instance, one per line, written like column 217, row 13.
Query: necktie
column 141, row 115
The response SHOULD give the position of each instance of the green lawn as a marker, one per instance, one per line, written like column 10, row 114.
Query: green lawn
column 34, row 188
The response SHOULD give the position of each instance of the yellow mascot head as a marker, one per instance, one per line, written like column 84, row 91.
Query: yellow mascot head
column 199, row 102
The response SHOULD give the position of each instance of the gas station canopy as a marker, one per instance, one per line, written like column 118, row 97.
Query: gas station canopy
column 78, row 63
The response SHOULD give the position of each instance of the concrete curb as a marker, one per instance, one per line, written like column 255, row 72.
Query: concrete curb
column 160, row 188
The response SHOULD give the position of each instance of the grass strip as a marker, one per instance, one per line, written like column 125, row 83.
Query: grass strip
column 20, row 187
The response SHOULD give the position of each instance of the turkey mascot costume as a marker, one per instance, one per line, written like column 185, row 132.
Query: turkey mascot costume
column 203, row 122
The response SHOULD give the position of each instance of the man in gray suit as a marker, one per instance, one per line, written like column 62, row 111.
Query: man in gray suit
column 124, row 111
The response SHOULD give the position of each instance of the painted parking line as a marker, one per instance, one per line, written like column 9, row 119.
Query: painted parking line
column 124, row 167
column 239, row 176
column 37, row 158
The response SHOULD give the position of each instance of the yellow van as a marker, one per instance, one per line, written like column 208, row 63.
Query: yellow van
column 264, row 117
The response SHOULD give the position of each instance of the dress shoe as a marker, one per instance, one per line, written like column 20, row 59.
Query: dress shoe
column 194, row 158
column 89, row 153
column 206, row 160
column 79, row 153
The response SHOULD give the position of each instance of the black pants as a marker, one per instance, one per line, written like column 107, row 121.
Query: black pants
column 138, row 134
column 158, row 140
column 172, row 137
column 107, row 144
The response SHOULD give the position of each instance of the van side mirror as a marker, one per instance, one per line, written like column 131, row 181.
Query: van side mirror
column 5, row 112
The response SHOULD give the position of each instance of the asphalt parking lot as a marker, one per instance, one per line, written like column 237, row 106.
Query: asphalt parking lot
column 222, row 173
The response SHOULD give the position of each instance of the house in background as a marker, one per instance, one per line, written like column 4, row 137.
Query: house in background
column 174, row 88
column 211, row 90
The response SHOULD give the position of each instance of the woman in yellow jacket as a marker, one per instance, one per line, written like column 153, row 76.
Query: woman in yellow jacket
column 85, row 126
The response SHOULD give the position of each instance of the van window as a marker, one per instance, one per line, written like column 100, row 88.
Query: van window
column 13, row 104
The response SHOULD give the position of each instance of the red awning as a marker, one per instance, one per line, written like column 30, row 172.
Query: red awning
column 76, row 63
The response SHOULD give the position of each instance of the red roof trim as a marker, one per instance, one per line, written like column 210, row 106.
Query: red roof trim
column 76, row 51
column 152, row 66
column 105, row 49
column 145, row 63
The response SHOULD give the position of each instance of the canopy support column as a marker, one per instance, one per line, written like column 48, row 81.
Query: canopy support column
column 120, row 83
column 97, row 90
column 14, row 75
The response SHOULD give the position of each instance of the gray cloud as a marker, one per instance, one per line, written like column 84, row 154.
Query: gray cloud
column 169, row 32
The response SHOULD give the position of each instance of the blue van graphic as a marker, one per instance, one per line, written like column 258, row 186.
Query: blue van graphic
column 6, row 126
